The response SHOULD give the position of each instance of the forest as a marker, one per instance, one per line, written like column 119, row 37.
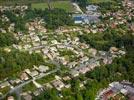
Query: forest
column 16, row 61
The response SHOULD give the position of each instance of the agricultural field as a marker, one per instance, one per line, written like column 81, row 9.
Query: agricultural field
column 20, row 2
column 66, row 5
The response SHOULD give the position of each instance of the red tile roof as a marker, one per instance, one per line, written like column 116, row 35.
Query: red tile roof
column 107, row 94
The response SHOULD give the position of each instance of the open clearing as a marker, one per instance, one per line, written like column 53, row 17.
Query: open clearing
column 66, row 5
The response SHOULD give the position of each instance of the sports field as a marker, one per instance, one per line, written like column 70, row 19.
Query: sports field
column 66, row 5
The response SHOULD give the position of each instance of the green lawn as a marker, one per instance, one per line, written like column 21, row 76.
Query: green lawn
column 66, row 5
column 46, row 79
column 4, row 90
column 29, row 87
column 99, row 1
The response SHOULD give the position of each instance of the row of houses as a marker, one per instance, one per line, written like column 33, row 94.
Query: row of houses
column 26, row 75
column 89, row 64
column 6, row 8
column 58, row 83
column 116, row 88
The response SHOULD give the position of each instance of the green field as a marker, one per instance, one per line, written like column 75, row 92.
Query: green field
column 20, row 2
column 99, row 1
column 46, row 79
column 29, row 87
column 66, row 5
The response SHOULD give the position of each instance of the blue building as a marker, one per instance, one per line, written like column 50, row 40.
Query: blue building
column 85, row 19
column 78, row 19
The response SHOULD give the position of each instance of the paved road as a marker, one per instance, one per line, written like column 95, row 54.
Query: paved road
column 35, row 78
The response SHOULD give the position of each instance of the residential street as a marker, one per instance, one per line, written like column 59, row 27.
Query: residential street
column 16, row 88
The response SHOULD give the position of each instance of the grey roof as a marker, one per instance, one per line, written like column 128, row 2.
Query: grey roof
column 43, row 68
column 92, row 7
column 74, row 72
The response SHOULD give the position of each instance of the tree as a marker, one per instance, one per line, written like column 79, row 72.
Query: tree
column 15, row 62
column 49, row 4
column 79, row 96
column 75, row 85
column 82, row 3
column 7, row 39
column 56, row 17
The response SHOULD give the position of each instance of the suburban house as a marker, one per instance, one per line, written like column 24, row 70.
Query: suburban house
column 92, row 8
column 74, row 73
column 4, row 84
column 58, row 84
column 43, row 68
column 24, row 76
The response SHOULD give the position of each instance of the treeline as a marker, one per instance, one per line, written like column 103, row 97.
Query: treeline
column 19, row 21
column 107, row 39
column 112, row 6
column 53, row 18
column 14, row 62
column 57, row 17
column 82, row 3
